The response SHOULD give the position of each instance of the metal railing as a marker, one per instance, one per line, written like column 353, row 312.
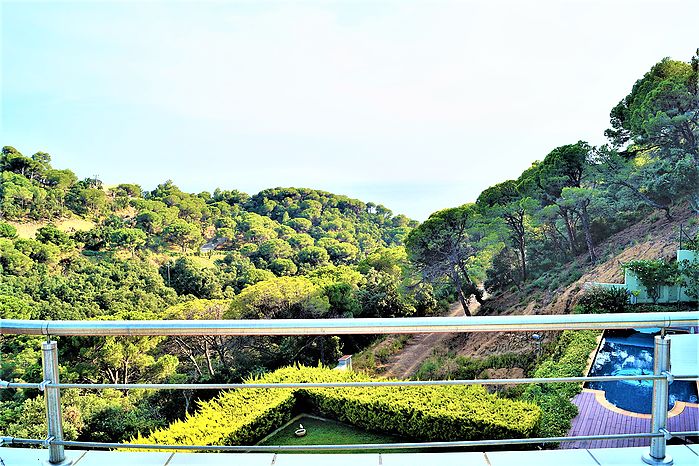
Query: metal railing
column 51, row 385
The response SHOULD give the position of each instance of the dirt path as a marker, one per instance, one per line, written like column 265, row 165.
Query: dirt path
column 404, row 364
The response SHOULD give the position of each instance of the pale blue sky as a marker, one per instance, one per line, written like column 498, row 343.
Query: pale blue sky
column 415, row 105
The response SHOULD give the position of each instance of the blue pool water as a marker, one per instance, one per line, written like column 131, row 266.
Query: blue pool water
column 633, row 355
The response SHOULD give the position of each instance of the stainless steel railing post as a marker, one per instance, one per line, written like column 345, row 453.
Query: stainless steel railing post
column 52, row 395
column 661, row 366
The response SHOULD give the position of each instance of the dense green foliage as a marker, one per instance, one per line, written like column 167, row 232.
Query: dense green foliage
column 451, row 366
column 229, row 420
column 659, row 124
column 283, row 253
column 689, row 277
column 689, row 269
column 437, row 413
column 446, row 244
column 602, row 300
column 274, row 224
column 107, row 416
column 568, row 359
column 654, row 273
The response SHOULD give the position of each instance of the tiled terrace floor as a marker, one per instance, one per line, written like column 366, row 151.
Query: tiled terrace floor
column 595, row 419
column 683, row 456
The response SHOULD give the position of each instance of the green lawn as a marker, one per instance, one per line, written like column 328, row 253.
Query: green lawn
column 328, row 432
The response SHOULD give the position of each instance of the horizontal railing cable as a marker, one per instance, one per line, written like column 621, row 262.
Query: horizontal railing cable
column 690, row 433
column 393, row 383
column 364, row 446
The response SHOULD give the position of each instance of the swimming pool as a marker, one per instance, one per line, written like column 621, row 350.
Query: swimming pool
column 622, row 353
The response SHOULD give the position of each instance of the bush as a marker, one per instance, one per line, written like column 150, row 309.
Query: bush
column 653, row 274
column 602, row 300
column 242, row 417
column 692, row 243
column 436, row 413
column 7, row 231
column 116, row 423
column 234, row 418
column 459, row 367
column 569, row 359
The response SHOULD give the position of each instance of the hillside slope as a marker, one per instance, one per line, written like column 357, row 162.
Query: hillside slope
column 651, row 238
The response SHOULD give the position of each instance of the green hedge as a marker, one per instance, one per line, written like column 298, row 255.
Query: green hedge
column 569, row 359
column 428, row 413
column 601, row 300
column 242, row 417
column 234, row 418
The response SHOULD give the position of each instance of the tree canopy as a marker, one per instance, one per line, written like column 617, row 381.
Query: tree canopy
column 444, row 247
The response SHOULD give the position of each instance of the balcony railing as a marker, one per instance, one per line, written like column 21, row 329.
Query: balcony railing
column 51, row 386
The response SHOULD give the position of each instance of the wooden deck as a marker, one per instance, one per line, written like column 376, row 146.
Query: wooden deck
column 595, row 418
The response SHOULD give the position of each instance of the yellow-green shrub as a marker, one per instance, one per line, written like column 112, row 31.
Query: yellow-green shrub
column 241, row 417
column 428, row 413
column 234, row 418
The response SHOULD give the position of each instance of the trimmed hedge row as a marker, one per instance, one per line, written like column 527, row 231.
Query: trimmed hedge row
column 569, row 359
column 428, row 413
column 242, row 417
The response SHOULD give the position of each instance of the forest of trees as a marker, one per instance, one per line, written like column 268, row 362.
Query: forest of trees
column 282, row 253
column 302, row 253
column 519, row 232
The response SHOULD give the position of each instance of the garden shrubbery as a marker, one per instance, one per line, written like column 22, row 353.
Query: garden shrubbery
column 569, row 359
column 438, row 413
column 451, row 366
column 653, row 274
column 242, row 417
column 235, row 418
column 602, row 300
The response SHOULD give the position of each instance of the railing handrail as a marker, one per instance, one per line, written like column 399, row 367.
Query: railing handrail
column 348, row 326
